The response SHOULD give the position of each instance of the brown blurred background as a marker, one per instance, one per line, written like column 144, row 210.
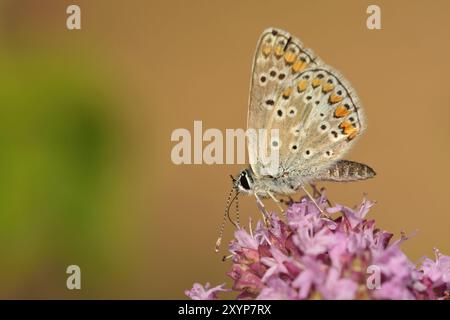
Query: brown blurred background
column 87, row 115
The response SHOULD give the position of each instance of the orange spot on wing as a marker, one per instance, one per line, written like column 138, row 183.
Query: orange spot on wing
column 302, row 85
column 279, row 51
column 335, row 98
column 327, row 87
column 316, row 82
column 289, row 57
column 287, row 92
column 345, row 124
column 299, row 65
column 353, row 135
column 341, row 111
column 348, row 129
column 266, row 49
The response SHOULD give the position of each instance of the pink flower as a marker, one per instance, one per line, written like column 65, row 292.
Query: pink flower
column 277, row 289
column 198, row 292
column 394, row 290
column 338, row 288
column 313, row 274
column 306, row 256
column 244, row 240
column 314, row 243
column 275, row 264
column 437, row 272
column 354, row 217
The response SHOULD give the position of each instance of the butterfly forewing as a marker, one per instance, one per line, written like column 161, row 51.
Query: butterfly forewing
column 314, row 108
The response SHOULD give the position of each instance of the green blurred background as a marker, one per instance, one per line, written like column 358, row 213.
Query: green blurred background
column 67, row 160
column 86, row 119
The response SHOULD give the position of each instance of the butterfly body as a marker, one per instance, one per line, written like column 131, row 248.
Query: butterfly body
column 290, row 182
column 247, row 182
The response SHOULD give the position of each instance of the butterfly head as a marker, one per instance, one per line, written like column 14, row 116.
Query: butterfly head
column 244, row 181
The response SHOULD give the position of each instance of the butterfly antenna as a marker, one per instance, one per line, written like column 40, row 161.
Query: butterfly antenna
column 237, row 213
column 236, row 197
column 225, row 215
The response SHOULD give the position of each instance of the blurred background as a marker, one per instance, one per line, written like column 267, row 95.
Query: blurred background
column 86, row 115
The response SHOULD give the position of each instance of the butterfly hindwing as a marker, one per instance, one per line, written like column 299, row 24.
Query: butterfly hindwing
column 314, row 108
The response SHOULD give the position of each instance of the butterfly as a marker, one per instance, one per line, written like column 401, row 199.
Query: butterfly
column 314, row 110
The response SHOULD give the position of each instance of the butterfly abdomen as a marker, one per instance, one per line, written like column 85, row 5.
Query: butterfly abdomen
column 346, row 171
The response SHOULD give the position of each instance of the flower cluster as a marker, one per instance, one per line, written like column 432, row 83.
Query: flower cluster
column 307, row 256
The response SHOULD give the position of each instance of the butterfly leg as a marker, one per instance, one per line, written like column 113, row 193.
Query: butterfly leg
column 277, row 202
column 316, row 192
column 262, row 209
column 315, row 203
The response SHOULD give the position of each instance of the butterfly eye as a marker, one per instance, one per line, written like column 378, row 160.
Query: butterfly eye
column 243, row 181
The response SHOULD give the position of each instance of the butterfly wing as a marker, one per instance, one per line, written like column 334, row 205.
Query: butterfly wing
column 316, row 111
